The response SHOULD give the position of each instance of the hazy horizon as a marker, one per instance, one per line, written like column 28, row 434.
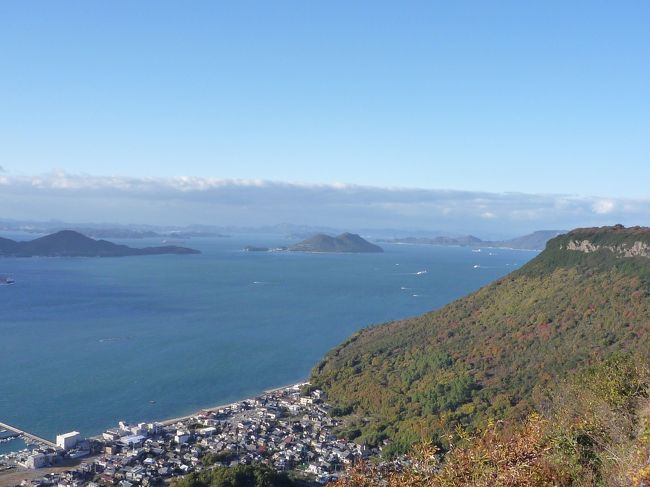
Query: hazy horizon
column 462, row 117
column 79, row 199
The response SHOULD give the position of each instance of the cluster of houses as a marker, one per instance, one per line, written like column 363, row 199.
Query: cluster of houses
column 282, row 428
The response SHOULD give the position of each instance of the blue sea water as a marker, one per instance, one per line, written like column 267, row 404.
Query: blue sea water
column 85, row 343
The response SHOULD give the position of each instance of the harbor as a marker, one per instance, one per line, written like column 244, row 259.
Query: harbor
column 14, row 432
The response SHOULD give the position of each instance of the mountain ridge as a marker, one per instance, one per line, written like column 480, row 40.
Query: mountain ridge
column 488, row 354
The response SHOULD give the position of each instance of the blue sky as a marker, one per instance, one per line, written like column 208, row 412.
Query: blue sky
column 545, row 98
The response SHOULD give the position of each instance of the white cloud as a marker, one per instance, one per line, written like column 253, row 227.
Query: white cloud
column 82, row 197
column 603, row 207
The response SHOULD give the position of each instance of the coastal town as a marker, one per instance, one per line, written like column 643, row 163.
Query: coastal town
column 289, row 430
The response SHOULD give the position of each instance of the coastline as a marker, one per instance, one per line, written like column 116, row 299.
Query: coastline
column 262, row 428
column 171, row 421
column 420, row 244
column 173, row 398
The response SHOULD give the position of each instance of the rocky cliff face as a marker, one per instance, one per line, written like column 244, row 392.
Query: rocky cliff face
column 636, row 249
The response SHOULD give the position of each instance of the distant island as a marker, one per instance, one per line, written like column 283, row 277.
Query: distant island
column 534, row 241
column 322, row 243
column 68, row 243
column 99, row 233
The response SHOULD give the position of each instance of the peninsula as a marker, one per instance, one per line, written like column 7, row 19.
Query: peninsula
column 68, row 243
column 322, row 243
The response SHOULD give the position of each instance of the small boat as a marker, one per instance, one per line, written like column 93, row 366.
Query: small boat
column 6, row 281
column 419, row 273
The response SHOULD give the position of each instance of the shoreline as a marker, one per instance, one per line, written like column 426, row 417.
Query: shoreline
column 171, row 421
column 261, row 428
column 420, row 244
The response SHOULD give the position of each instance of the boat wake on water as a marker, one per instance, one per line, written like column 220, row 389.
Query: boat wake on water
column 6, row 281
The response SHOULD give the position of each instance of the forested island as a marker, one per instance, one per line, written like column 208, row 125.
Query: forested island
column 68, row 243
column 346, row 242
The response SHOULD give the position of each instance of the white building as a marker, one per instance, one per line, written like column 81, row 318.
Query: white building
column 68, row 441
column 155, row 428
column 208, row 431
column 140, row 429
column 132, row 441
column 36, row 460
column 111, row 435
column 182, row 437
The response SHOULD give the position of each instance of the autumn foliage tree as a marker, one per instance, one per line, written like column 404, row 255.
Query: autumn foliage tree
column 594, row 431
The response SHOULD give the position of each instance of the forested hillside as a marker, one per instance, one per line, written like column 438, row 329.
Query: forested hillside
column 592, row 430
column 492, row 353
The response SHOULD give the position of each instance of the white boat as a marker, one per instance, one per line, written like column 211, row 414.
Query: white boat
column 6, row 281
column 419, row 273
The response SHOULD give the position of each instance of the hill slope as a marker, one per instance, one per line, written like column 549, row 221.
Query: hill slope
column 68, row 243
column 593, row 431
column 487, row 355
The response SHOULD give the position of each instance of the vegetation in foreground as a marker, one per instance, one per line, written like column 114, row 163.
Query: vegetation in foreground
column 239, row 476
column 594, row 432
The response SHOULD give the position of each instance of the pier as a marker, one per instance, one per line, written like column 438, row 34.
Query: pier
column 28, row 436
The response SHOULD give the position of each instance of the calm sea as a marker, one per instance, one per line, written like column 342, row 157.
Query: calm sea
column 85, row 343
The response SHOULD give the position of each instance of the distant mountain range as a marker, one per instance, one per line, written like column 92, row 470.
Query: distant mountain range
column 130, row 233
column 292, row 232
column 99, row 233
column 111, row 230
column 533, row 241
column 346, row 242
column 68, row 243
